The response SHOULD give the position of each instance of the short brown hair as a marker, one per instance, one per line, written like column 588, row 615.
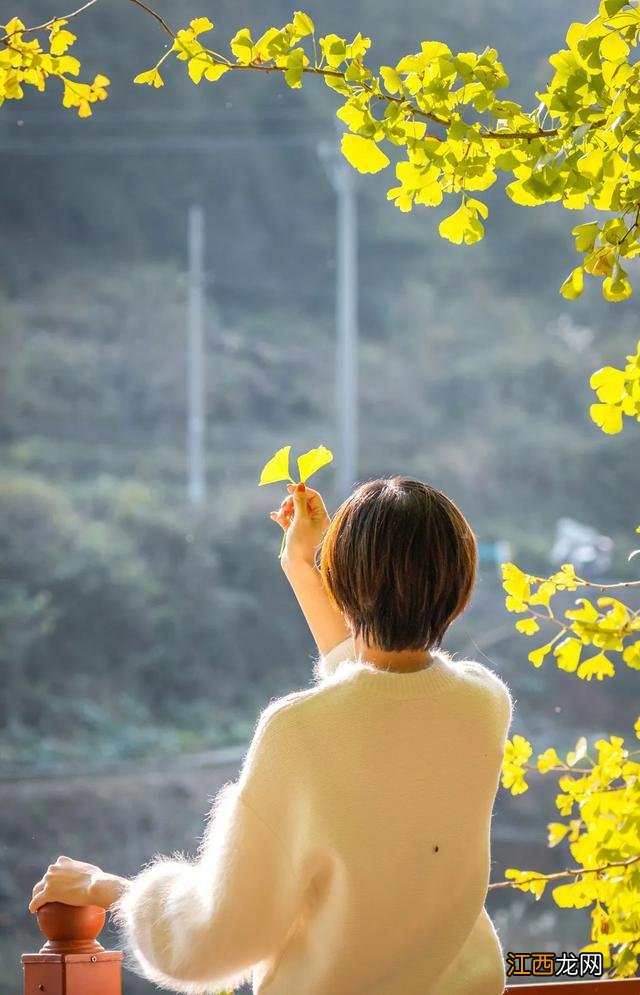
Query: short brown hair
column 399, row 561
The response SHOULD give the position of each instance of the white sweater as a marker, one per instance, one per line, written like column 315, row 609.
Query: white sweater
column 352, row 856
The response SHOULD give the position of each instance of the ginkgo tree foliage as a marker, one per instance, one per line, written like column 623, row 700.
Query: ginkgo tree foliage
column 443, row 122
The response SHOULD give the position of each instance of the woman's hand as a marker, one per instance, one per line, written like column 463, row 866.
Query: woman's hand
column 74, row 882
column 305, row 520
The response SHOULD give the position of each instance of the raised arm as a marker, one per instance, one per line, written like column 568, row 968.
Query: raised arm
column 328, row 627
column 305, row 520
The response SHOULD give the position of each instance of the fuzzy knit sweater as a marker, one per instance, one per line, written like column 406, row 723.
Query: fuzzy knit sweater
column 351, row 856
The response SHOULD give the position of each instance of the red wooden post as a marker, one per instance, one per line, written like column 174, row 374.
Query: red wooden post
column 615, row 986
column 72, row 962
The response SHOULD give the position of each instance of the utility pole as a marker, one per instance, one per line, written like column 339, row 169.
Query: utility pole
column 195, row 357
column 346, row 381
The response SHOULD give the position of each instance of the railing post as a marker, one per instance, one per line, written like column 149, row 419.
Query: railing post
column 72, row 962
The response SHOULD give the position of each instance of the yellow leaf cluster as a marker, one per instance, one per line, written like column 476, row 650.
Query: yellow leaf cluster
column 24, row 62
column 608, row 625
column 618, row 393
column 516, row 754
column 604, row 842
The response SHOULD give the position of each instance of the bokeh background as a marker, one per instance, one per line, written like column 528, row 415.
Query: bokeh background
column 141, row 636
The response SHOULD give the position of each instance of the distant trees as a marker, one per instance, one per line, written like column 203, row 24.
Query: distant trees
column 454, row 135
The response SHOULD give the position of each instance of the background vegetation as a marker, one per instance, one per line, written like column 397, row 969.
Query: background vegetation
column 130, row 628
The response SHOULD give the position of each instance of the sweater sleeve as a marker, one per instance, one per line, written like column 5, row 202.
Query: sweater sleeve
column 328, row 663
column 203, row 926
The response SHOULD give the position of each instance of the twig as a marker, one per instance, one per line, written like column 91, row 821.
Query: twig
column 161, row 22
column 569, row 872
column 48, row 24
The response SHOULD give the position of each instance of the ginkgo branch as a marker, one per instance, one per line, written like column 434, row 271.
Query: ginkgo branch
column 569, row 872
column 411, row 109
column 50, row 22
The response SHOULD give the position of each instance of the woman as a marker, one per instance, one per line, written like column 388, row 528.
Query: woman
column 352, row 856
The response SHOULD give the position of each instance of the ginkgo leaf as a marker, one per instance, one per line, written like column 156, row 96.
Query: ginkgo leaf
column 568, row 653
column 61, row 41
column 277, row 468
column 531, row 881
column 202, row 65
column 214, row 71
column 556, row 832
column 575, row 755
column 197, row 66
column 309, row 462
column 631, row 656
column 515, row 582
column 608, row 417
column 548, row 759
column 537, row 656
column 613, row 47
column 391, row 79
column 573, row 285
column 242, row 46
column 363, row 154
column 570, row 896
column 152, row 78
column 528, row 626
column 618, row 289
column 200, row 24
column 609, row 384
column 302, row 24
column 599, row 666
column 453, row 227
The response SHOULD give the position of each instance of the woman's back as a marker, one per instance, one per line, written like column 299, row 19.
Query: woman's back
column 383, row 792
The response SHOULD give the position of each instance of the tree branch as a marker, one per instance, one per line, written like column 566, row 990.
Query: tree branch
column 412, row 109
column 569, row 872
column 152, row 13
column 51, row 22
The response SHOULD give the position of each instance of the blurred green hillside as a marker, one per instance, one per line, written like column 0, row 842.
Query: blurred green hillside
column 120, row 611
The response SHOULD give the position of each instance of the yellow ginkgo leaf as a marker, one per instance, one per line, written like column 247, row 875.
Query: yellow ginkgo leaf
column 531, row 881
column 570, row 896
column 277, row 468
column 548, row 759
column 574, row 284
column 575, row 755
column 309, row 462
column 568, row 653
column 528, row 626
column 200, row 24
column 610, row 384
column 536, row 657
column 598, row 666
column 556, row 832
column 363, row 154
column 152, row 78
column 613, row 47
column 61, row 41
column 631, row 657
column 302, row 24
column 242, row 46
column 608, row 417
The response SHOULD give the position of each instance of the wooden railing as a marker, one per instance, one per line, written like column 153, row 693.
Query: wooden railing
column 621, row 986
column 72, row 962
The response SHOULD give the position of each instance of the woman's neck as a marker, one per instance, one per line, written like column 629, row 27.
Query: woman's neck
column 399, row 661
